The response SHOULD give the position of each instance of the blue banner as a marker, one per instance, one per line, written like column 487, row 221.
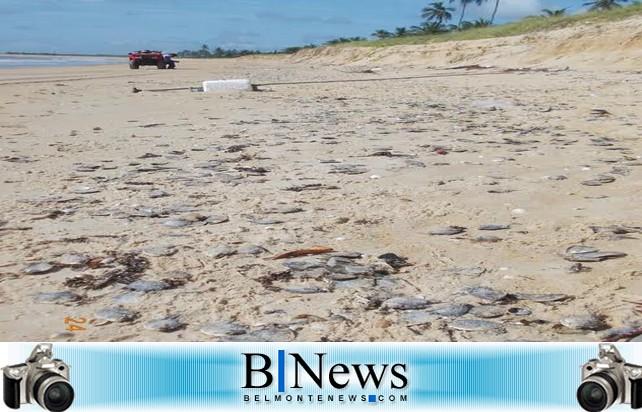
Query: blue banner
column 273, row 376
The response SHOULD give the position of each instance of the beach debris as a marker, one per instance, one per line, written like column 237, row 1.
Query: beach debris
column 634, row 333
column 450, row 230
column 40, row 268
column 315, row 250
column 116, row 314
column 57, row 297
column 394, row 260
column 405, row 303
column 583, row 253
column 584, row 322
column 223, row 329
column 474, row 325
column 600, row 113
column 168, row 324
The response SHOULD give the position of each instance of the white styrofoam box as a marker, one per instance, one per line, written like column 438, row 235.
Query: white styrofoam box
column 235, row 84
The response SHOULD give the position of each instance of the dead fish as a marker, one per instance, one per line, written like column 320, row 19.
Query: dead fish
column 405, row 303
column 419, row 317
column 594, row 256
column 450, row 230
column 129, row 297
column 57, row 297
column 394, row 260
column 38, row 268
column 486, row 312
column 520, row 311
column 304, row 289
column 487, row 239
column 73, row 260
column 177, row 223
column 148, row 285
column 581, row 249
column 221, row 251
column 85, row 190
column 453, row 310
column 599, row 181
column 588, row 322
column 223, row 329
column 534, row 297
column 252, row 250
column 485, row 293
column 216, row 219
column 477, row 325
column 157, row 251
column 169, row 324
column 494, row 227
column 116, row 314
column 470, row 271
column 276, row 333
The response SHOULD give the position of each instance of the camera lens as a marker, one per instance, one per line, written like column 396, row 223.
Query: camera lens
column 53, row 392
column 597, row 392
column 58, row 396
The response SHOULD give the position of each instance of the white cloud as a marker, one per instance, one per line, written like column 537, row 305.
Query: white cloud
column 509, row 9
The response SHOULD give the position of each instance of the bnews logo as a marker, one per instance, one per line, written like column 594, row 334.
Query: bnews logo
column 318, row 374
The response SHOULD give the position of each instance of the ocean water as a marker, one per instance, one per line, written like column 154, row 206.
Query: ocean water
column 12, row 62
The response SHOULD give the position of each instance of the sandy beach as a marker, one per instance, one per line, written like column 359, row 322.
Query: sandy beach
column 508, row 201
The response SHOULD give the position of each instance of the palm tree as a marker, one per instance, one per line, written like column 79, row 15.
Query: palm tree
column 437, row 11
column 428, row 28
column 553, row 13
column 401, row 31
column 492, row 18
column 382, row 34
column 464, row 4
column 604, row 4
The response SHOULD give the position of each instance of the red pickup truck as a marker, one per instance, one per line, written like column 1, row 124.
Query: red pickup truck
column 151, row 58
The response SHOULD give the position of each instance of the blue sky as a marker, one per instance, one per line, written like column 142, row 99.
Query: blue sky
column 120, row 26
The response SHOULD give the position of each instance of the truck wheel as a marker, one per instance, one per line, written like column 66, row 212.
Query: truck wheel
column 161, row 65
column 134, row 65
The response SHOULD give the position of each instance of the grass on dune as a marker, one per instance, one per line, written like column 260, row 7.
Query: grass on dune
column 527, row 25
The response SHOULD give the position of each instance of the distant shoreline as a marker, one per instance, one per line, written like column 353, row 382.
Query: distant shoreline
column 8, row 54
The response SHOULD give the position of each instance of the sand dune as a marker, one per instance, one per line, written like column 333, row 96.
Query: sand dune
column 613, row 45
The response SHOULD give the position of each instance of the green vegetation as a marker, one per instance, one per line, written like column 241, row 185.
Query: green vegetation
column 482, row 29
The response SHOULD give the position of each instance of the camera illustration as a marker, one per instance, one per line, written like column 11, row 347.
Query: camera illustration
column 608, row 380
column 41, row 379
